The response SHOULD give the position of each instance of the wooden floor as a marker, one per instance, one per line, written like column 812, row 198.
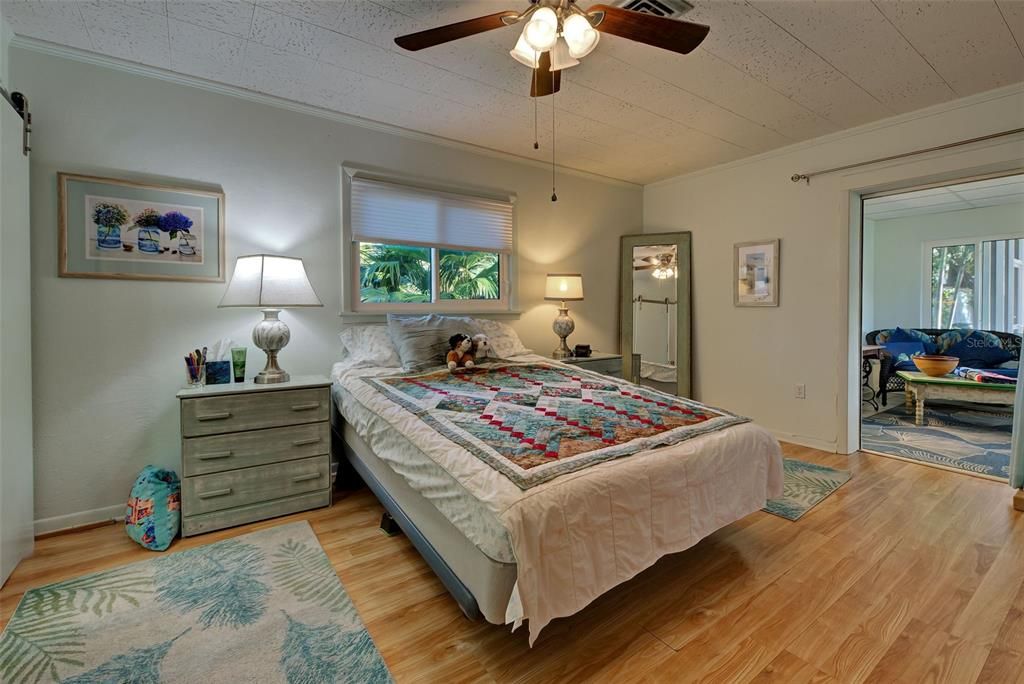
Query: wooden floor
column 907, row 573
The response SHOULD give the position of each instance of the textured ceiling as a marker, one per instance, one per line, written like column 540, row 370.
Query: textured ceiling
column 983, row 193
column 771, row 72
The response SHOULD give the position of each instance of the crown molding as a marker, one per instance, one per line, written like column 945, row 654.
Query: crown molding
column 1014, row 90
column 96, row 59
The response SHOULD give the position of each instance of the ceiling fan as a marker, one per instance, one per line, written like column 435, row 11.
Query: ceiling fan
column 557, row 33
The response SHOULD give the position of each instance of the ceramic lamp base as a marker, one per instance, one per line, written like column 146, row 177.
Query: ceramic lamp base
column 271, row 335
column 563, row 327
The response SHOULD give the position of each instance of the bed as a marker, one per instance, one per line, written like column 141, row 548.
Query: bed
column 532, row 487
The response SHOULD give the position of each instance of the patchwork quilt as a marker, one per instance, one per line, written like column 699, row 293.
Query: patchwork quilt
column 533, row 422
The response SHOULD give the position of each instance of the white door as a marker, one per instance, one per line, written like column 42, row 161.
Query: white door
column 16, row 511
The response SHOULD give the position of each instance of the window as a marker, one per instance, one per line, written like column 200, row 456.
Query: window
column 422, row 250
column 976, row 283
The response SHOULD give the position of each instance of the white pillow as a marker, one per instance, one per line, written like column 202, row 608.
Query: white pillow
column 504, row 340
column 369, row 345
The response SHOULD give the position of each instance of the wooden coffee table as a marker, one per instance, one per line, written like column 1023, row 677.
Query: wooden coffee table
column 920, row 387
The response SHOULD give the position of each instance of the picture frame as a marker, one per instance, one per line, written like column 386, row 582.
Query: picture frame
column 127, row 230
column 756, row 273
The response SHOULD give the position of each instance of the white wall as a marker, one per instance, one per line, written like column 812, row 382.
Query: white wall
column 749, row 359
column 898, row 256
column 108, row 353
column 5, row 41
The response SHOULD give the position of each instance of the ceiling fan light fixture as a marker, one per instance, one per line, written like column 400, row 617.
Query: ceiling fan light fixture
column 580, row 36
column 541, row 32
column 561, row 58
column 524, row 54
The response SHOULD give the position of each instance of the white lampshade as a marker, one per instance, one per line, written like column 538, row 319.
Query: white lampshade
column 541, row 31
column 560, row 57
column 271, row 282
column 580, row 35
column 564, row 287
column 524, row 54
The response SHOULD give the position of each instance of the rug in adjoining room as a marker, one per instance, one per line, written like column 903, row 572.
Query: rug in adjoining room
column 804, row 486
column 970, row 437
column 262, row 607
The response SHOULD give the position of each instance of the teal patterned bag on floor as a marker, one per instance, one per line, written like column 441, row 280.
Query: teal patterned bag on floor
column 154, row 508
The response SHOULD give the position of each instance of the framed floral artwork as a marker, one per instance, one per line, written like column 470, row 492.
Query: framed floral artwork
column 756, row 273
column 120, row 229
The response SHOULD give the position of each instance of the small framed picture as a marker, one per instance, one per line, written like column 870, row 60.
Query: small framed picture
column 756, row 269
column 120, row 229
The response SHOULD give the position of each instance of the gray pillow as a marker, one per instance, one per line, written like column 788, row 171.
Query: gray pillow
column 422, row 341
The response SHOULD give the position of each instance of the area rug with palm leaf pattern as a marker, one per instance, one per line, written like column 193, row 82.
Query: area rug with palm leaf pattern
column 970, row 437
column 262, row 607
column 804, row 486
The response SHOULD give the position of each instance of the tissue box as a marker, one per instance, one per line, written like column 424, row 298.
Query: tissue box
column 218, row 372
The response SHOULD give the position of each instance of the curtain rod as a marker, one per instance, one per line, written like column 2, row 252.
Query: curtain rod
column 797, row 177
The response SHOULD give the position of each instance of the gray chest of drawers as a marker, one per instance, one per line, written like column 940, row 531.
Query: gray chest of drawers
column 251, row 452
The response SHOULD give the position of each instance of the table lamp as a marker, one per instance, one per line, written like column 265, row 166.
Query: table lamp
column 563, row 287
column 270, row 283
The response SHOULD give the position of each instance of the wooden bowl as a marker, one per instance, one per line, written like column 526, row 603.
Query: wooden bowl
column 934, row 365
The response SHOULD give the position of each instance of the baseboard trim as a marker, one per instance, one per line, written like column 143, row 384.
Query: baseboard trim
column 62, row 523
column 802, row 440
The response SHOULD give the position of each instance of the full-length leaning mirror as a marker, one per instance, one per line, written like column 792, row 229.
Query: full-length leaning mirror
column 654, row 330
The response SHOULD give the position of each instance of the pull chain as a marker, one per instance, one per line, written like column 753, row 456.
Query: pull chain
column 536, row 145
column 554, row 197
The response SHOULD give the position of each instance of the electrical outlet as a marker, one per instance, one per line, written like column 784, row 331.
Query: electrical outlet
column 800, row 391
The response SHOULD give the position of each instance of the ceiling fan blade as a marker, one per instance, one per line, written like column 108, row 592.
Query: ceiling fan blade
column 668, row 34
column 450, row 32
column 545, row 81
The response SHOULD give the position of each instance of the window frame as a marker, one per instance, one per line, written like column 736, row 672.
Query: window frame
column 979, row 273
column 350, row 285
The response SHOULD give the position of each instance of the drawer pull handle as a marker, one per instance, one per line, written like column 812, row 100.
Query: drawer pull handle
column 306, row 407
column 303, row 478
column 214, row 416
column 304, row 442
column 214, row 455
column 215, row 493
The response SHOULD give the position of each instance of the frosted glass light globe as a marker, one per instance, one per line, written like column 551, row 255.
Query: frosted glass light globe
column 580, row 35
column 541, row 31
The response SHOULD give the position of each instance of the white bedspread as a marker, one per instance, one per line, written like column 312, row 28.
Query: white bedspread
column 583, row 533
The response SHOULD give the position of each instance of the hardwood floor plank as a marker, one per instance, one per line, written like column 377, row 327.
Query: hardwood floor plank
column 906, row 573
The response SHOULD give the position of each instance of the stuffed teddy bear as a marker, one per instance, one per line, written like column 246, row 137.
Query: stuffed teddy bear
column 481, row 347
column 461, row 354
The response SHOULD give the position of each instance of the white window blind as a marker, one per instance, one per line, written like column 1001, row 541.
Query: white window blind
column 392, row 213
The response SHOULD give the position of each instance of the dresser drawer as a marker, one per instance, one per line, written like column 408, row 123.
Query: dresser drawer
column 612, row 367
column 219, row 491
column 218, row 520
column 234, row 412
column 204, row 455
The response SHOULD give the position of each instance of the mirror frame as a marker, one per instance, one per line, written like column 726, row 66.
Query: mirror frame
column 682, row 240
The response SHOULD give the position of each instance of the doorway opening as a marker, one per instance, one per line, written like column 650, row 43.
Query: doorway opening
column 942, row 314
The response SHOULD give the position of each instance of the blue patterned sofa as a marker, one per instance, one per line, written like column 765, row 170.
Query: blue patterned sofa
column 888, row 381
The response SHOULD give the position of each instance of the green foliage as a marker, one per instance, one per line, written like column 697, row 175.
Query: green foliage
column 325, row 653
column 469, row 275
column 223, row 580
column 952, row 279
column 137, row 666
column 33, row 645
column 394, row 273
column 98, row 593
column 308, row 574
column 402, row 274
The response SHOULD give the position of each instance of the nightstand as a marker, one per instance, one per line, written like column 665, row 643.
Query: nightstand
column 598, row 362
column 251, row 452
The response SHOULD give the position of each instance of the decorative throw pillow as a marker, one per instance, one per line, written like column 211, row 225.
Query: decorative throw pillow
column 370, row 345
column 422, row 341
column 903, row 354
column 980, row 350
column 903, row 335
column 154, row 508
column 503, row 338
